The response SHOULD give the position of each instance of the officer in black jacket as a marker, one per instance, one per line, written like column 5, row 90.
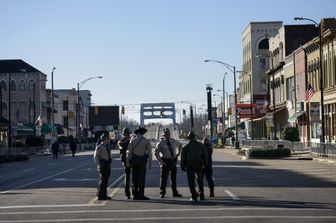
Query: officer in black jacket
column 207, row 170
column 123, row 145
column 193, row 159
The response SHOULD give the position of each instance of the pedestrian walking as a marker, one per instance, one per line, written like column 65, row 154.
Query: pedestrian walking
column 123, row 145
column 193, row 159
column 138, row 156
column 55, row 148
column 102, row 158
column 73, row 147
column 207, row 170
column 233, row 140
column 166, row 154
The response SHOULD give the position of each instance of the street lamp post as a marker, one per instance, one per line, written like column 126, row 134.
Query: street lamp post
column 52, row 101
column 9, row 114
column 233, row 70
column 223, row 124
column 321, row 72
column 79, row 85
column 251, row 101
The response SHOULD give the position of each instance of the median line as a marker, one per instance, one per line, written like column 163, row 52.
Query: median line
column 232, row 195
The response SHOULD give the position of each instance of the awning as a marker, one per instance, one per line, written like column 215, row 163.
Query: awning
column 23, row 130
column 295, row 116
column 240, row 126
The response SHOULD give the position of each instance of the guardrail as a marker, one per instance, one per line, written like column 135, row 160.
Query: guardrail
column 327, row 148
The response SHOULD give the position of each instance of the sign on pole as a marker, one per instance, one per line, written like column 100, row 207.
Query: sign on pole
column 269, row 119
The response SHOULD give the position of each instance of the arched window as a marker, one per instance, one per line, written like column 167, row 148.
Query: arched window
column 263, row 45
column 4, row 109
column 3, row 85
column 31, row 85
column 12, row 85
column 22, row 86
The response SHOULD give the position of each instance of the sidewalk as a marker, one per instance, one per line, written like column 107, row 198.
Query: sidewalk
column 294, row 155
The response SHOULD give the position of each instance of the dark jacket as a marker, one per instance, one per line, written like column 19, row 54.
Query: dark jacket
column 123, row 145
column 194, row 155
column 73, row 146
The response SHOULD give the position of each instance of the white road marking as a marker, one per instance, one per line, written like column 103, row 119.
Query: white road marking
column 75, row 180
column 45, row 178
column 26, row 170
column 172, row 218
column 144, row 210
column 94, row 200
column 232, row 195
column 47, row 206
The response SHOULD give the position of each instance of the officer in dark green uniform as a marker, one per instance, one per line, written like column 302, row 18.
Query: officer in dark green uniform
column 193, row 159
column 123, row 144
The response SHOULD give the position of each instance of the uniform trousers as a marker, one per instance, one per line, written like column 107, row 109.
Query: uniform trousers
column 127, row 171
column 138, row 167
column 104, row 173
column 170, row 166
column 207, row 171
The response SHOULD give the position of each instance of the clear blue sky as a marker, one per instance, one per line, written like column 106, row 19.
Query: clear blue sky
column 146, row 50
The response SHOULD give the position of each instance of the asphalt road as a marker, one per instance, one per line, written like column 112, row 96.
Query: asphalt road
column 63, row 190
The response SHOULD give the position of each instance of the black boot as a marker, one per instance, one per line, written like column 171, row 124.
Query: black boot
column 212, row 193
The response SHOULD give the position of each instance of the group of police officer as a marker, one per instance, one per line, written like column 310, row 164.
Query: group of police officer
column 136, row 157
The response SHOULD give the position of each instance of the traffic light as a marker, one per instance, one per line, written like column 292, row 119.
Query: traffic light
column 122, row 110
column 229, row 111
column 183, row 111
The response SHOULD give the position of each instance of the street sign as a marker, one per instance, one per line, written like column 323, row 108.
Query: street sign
column 269, row 119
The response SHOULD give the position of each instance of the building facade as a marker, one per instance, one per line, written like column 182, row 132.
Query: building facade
column 253, row 79
column 23, row 96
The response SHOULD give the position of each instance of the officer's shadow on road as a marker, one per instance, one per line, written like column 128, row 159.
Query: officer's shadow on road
column 247, row 202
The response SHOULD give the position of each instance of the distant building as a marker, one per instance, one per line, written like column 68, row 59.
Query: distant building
column 253, row 79
column 23, row 100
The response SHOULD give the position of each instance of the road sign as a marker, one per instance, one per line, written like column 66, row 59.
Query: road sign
column 269, row 119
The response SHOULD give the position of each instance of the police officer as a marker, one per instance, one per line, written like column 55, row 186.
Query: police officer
column 123, row 145
column 139, row 154
column 193, row 159
column 166, row 154
column 207, row 171
column 102, row 158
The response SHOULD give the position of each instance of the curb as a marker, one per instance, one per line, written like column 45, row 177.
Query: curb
column 325, row 160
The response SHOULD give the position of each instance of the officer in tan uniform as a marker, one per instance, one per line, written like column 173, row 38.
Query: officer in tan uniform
column 166, row 154
column 102, row 158
column 138, row 156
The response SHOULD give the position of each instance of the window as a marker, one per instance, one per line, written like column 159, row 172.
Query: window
column 31, row 85
column 65, row 121
column 22, row 86
column 3, row 85
column 65, row 105
column 263, row 44
column 12, row 85
column 262, row 63
column 290, row 89
column 4, row 109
